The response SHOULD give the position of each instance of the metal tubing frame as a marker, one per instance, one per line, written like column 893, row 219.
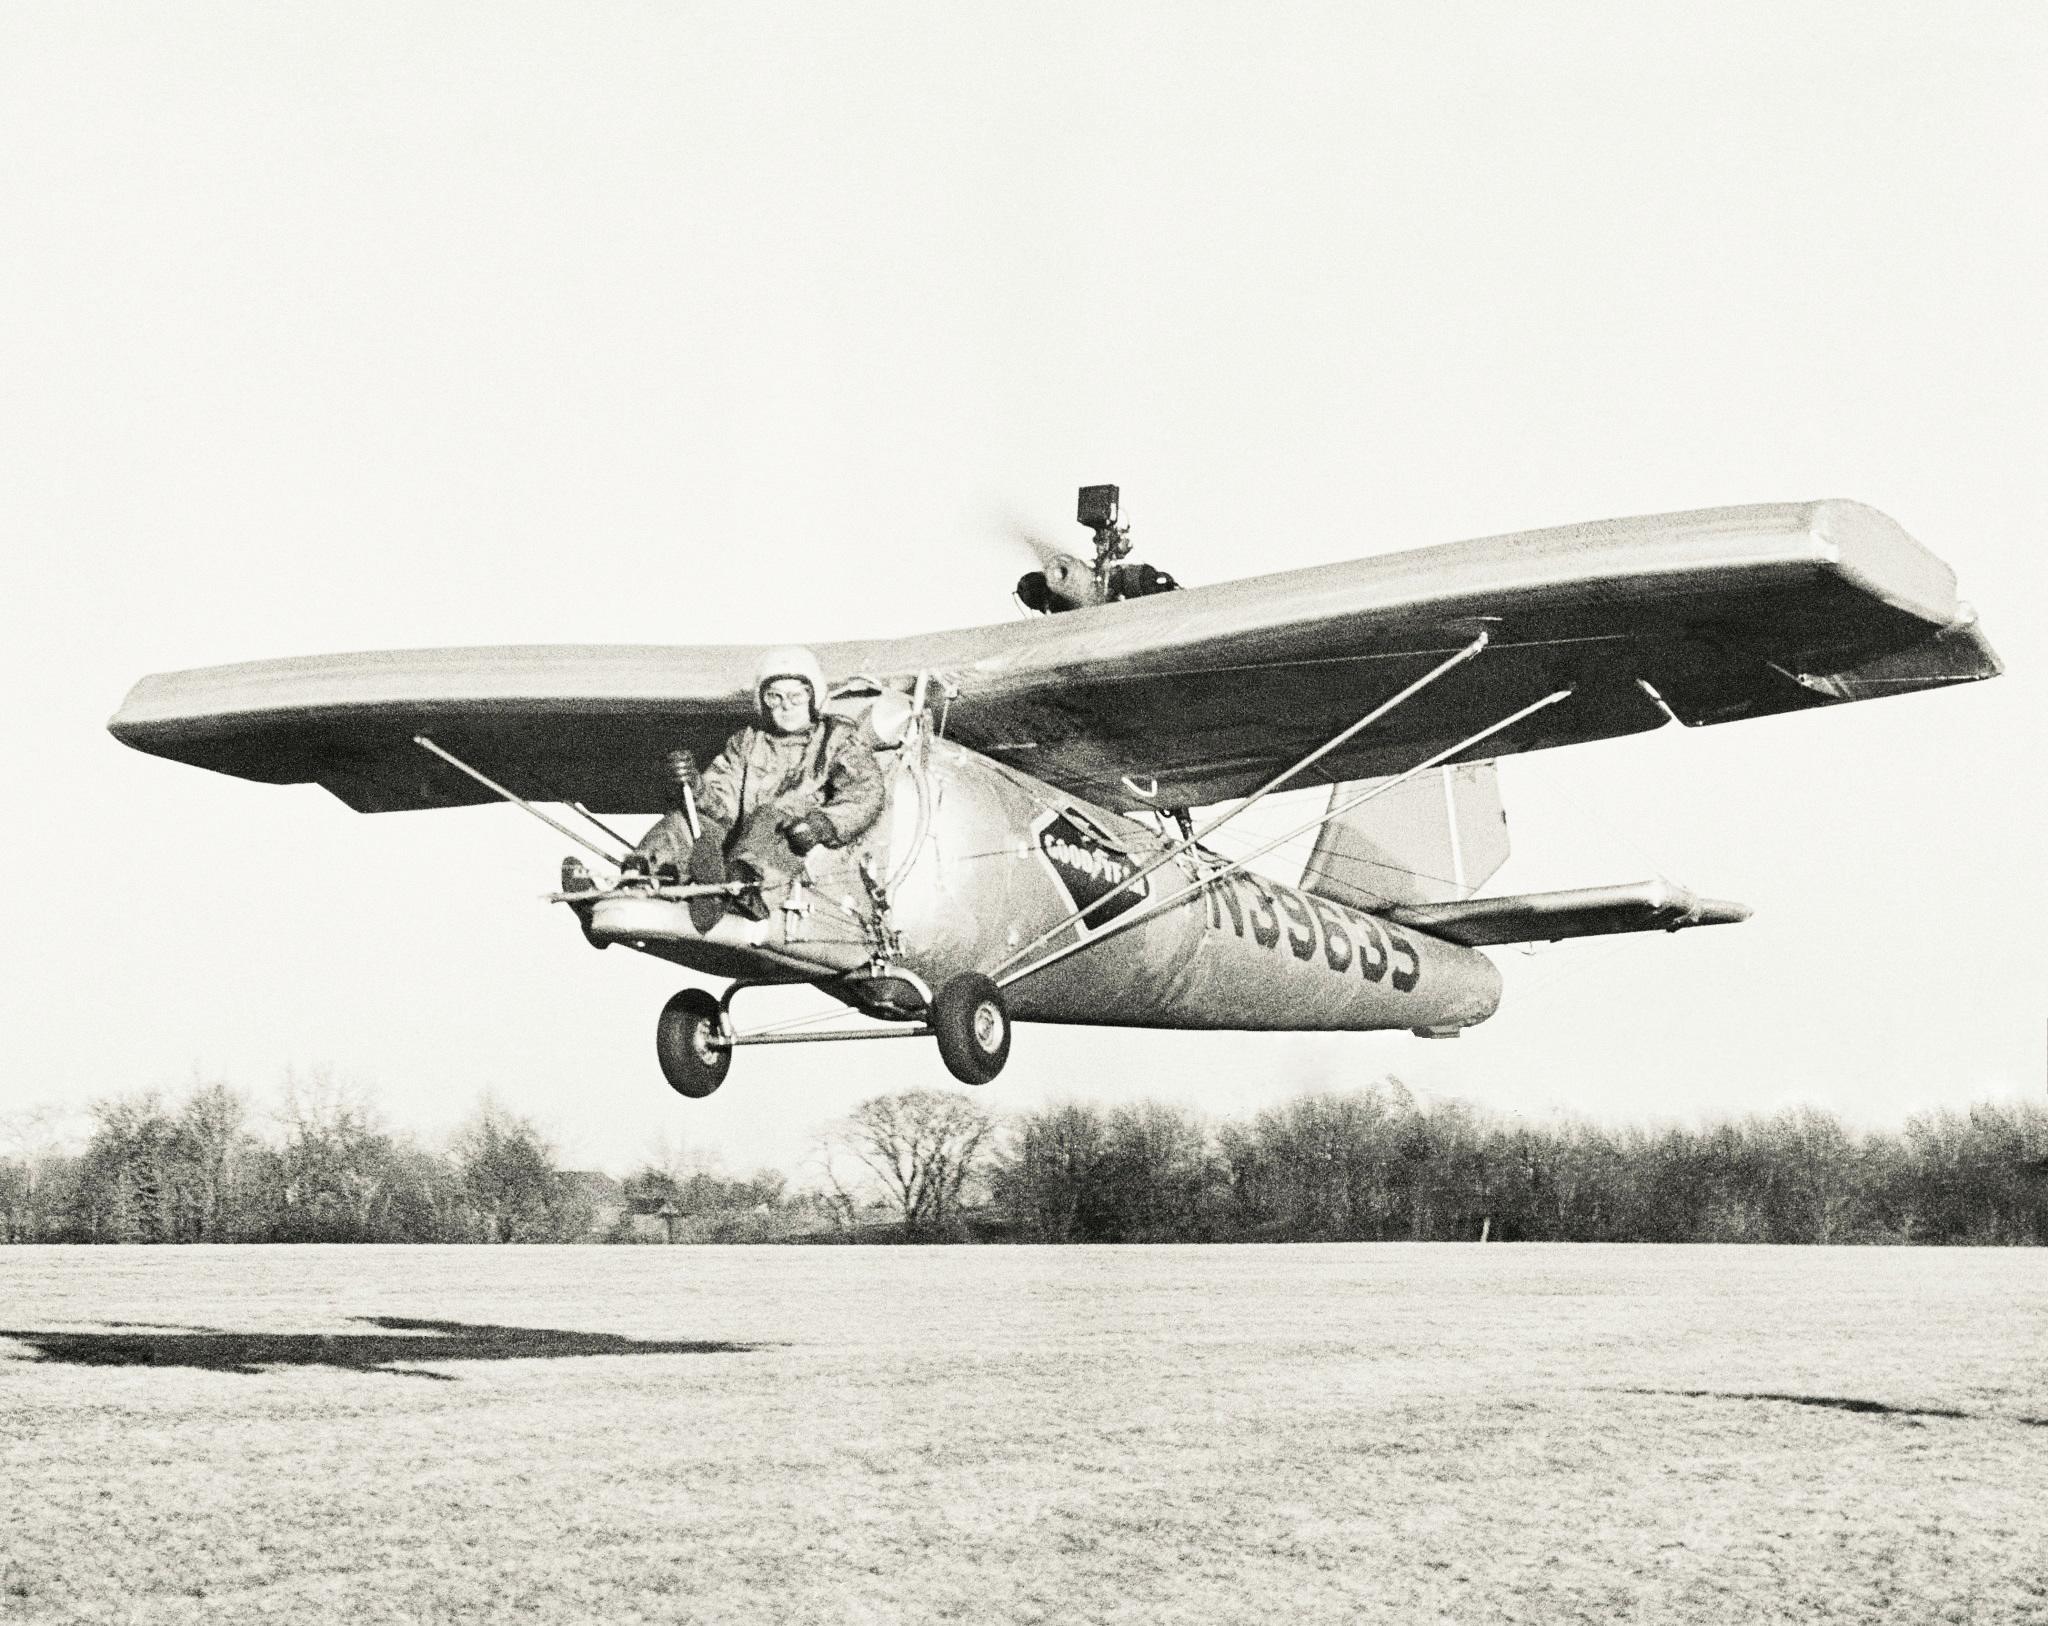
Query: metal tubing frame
column 493, row 786
column 740, row 1041
column 1140, row 916
column 731, row 1039
column 669, row 894
column 1257, row 796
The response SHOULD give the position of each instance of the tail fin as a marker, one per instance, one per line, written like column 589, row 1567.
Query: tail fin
column 1435, row 839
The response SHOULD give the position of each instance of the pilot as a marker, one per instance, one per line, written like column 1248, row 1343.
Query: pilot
column 797, row 781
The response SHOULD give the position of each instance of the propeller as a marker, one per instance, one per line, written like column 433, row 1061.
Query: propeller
column 1061, row 577
column 1021, row 536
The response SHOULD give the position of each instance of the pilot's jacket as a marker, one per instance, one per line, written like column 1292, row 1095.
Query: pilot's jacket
column 828, row 768
column 761, row 783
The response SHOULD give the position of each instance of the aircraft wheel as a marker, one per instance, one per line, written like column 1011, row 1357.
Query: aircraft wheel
column 972, row 1026
column 691, row 1063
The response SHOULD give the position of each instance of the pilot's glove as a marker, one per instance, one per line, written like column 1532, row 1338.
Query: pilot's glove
column 680, row 772
column 812, row 830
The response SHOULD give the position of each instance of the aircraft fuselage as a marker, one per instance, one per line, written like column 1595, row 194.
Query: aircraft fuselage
column 978, row 860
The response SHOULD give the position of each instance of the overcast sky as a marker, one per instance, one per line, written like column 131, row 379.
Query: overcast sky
column 358, row 326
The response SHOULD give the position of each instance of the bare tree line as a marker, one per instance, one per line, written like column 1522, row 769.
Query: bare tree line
column 1376, row 1165
column 328, row 1170
column 1370, row 1164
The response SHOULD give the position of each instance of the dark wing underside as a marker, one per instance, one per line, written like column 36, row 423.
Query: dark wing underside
column 1178, row 700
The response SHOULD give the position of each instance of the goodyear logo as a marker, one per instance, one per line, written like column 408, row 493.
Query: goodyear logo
column 1088, row 870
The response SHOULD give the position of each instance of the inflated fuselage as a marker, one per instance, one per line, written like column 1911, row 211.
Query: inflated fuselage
column 976, row 861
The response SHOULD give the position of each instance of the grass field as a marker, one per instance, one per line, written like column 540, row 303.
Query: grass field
column 1403, row 1433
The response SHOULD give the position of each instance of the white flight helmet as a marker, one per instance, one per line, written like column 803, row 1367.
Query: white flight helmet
column 790, row 661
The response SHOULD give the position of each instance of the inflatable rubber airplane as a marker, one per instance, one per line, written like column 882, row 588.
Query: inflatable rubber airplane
column 1040, row 858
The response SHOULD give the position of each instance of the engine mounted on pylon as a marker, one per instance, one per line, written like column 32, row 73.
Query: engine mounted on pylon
column 1071, row 583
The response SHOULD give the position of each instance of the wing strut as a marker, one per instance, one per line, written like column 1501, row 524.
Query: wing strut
column 607, row 829
column 1195, row 838
column 1139, row 916
column 492, row 785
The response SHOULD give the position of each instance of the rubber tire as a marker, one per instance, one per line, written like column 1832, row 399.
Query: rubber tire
column 972, row 1025
column 691, row 1066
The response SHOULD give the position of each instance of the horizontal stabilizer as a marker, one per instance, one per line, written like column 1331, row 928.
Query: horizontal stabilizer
column 1586, row 911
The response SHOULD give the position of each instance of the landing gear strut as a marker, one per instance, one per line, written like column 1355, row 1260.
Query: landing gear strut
column 695, row 1037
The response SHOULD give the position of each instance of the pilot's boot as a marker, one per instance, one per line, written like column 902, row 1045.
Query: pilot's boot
column 707, row 868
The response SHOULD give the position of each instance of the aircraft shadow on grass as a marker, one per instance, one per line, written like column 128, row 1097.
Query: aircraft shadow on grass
column 399, row 1342
column 1876, row 1408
